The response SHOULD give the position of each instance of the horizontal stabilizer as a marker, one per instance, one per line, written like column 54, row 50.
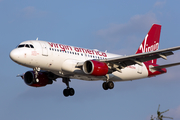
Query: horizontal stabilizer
column 165, row 66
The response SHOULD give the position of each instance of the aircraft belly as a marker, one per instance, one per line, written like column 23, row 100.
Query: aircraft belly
column 88, row 77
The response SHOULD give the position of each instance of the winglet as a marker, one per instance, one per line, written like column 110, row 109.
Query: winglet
column 37, row 38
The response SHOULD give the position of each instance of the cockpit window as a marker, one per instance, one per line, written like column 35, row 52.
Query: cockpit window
column 31, row 46
column 20, row 46
column 26, row 45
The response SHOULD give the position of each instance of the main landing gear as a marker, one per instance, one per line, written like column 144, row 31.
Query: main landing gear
column 68, row 91
column 108, row 85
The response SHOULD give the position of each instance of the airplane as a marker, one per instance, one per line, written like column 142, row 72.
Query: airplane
column 50, row 61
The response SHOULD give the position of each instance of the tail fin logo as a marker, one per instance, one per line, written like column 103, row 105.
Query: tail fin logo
column 146, row 48
column 151, row 41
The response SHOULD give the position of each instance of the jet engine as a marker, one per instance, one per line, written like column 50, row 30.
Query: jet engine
column 42, row 79
column 95, row 68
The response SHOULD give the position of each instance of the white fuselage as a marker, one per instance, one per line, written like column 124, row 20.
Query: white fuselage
column 62, row 61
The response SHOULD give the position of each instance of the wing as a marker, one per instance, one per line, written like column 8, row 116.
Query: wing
column 125, row 61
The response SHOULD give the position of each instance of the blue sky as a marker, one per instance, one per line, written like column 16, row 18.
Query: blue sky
column 118, row 26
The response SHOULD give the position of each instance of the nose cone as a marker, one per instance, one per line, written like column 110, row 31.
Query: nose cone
column 14, row 55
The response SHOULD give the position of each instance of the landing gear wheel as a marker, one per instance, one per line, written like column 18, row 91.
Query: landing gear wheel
column 66, row 92
column 105, row 86
column 71, row 91
column 110, row 85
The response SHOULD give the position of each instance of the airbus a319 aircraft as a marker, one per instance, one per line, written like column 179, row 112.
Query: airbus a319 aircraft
column 50, row 61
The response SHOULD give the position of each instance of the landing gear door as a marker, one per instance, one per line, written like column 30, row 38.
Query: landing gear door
column 44, row 49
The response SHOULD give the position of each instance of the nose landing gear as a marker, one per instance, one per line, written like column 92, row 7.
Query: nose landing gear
column 36, row 70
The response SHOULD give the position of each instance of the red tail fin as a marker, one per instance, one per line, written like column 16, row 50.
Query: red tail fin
column 151, row 41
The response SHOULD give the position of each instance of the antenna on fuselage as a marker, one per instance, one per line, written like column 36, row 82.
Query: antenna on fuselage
column 37, row 38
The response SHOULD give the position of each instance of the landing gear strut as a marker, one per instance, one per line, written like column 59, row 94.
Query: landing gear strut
column 68, row 91
column 36, row 70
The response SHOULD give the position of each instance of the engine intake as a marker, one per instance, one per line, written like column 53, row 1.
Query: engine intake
column 95, row 68
column 29, row 79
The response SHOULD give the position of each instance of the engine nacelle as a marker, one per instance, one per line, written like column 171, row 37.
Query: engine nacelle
column 29, row 79
column 95, row 68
